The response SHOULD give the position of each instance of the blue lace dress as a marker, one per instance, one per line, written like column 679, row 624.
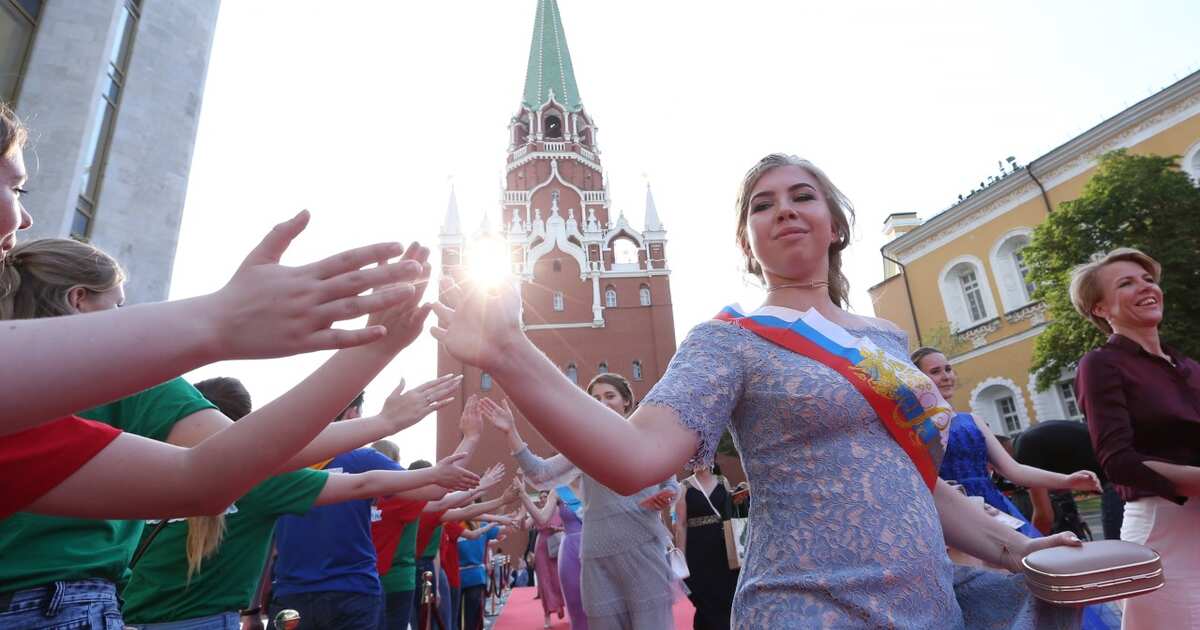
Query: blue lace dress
column 966, row 462
column 843, row 532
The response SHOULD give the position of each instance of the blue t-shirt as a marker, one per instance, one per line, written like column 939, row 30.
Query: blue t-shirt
column 470, row 557
column 329, row 548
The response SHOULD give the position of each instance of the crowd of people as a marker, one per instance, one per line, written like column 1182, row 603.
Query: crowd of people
column 132, row 498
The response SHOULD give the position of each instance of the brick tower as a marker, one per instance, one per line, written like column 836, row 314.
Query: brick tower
column 595, row 291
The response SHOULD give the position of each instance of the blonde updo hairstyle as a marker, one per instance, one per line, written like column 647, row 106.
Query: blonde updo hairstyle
column 1086, row 290
column 36, row 277
column 840, row 211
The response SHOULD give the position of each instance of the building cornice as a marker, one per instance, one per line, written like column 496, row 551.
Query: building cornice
column 1143, row 120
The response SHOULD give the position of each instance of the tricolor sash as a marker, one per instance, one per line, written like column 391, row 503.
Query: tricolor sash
column 905, row 400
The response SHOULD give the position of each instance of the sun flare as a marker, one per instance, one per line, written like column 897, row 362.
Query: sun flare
column 489, row 261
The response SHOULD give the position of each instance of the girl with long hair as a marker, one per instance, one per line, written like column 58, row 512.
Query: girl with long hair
column 849, row 523
column 624, row 579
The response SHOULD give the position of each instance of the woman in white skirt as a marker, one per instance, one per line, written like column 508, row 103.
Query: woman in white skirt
column 1142, row 402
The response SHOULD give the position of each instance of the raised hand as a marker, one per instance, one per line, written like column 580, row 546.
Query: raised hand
column 1084, row 481
column 477, row 325
column 449, row 475
column 491, row 476
column 271, row 310
column 471, row 422
column 404, row 409
column 658, row 501
column 405, row 319
column 501, row 417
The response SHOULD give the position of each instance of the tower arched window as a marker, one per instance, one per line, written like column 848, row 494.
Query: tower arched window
column 554, row 127
column 602, row 368
column 972, row 294
column 637, row 370
column 558, row 300
column 485, row 381
column 644, row 295
column 572, row 373
column 610, row 297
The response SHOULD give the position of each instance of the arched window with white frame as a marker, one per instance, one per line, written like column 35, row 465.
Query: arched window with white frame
column 644, row 295
column 998, row 402
column 610, row 297
column 637, row 370
column 966, row 294
column 572, row 373
column 1011, row 270
column 558, row 301
column 602, row 368
column 1191, row 163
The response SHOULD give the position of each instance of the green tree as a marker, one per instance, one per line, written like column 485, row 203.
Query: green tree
column 941, row 338
column 1140, row 201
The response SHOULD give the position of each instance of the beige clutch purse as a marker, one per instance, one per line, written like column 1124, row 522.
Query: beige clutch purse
column 1099, row 571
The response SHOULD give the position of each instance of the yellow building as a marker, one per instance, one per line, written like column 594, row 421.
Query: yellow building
column 957, row 279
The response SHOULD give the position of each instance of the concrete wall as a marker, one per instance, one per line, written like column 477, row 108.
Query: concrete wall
column 144, row 185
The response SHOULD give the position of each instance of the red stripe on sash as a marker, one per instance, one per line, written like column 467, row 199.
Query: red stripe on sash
column 886, row 408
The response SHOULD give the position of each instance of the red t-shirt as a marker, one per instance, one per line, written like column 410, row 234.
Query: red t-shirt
column 429, row 522
column 34, row 461
column 387, row 531
column 449, row 552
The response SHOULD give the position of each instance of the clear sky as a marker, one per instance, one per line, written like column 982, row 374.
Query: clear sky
column 363, row 112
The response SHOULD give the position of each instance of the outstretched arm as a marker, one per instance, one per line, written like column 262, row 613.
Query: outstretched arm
column 968, row 528
column 400, row 411
column 1029, row 476
column 471, row 511
column 385, row 483
column 485, row 331
column 266, row 310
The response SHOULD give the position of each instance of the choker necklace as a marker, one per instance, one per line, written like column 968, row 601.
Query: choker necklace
column 811, row 284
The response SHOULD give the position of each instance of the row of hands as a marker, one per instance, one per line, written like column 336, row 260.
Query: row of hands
column 268, row 309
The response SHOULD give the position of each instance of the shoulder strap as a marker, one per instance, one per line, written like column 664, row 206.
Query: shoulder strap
column 145, row 544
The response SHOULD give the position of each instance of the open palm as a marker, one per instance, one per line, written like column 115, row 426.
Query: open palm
column 478, row 326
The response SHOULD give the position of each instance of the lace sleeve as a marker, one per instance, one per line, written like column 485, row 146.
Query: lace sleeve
column 545, row 473
column 703, row 384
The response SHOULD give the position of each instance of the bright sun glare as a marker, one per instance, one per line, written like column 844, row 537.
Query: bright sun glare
column 489, row 261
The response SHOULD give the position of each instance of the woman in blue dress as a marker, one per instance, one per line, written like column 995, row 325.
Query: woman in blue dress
column 972, row 446
column 849, row 526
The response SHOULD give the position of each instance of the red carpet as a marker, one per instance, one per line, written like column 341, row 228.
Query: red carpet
column 523, row 612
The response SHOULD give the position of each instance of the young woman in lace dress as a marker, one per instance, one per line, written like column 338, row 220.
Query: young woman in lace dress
column 845, row 529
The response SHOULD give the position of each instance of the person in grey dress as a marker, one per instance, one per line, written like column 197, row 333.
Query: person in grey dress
column 625, row 581
column 844, row 531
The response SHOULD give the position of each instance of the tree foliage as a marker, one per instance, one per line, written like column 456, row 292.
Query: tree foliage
column 1140, row 201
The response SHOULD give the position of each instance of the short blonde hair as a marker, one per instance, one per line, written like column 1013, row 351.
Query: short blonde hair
column 1086, row 291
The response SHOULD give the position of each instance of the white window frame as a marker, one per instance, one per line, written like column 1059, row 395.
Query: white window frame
column 644, row 295
column 1191, row 162
column 1070, row 403
column 637, row 371
column 1010, row 420
column 983, row 402
column 558, row 301
column 572, row 373
column 610, row 297
column 958, row 313
column 1006, row 263
column 485, row 382
column 602, row 368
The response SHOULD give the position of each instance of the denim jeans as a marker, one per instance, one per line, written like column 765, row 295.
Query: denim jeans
column 222, row 621
column 81, row 604
column 397, row 610
column 332, row 610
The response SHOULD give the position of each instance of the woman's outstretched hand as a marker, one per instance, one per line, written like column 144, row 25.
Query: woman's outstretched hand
column 1084, row 481
column 658, row 501
column 478, row 326
column 271, row 310
column 451, row 476
column 404, row 409
column 500, row 416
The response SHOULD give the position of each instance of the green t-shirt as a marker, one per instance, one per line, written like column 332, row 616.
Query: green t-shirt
column 435, row 543
column 403, row 574
column 159, row 590
column 37, row 550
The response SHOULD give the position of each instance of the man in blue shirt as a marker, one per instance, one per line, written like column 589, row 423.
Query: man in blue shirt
column 472, row 559
column 325, row 567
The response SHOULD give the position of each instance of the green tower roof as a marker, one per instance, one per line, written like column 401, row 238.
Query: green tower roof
column 549, row 69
